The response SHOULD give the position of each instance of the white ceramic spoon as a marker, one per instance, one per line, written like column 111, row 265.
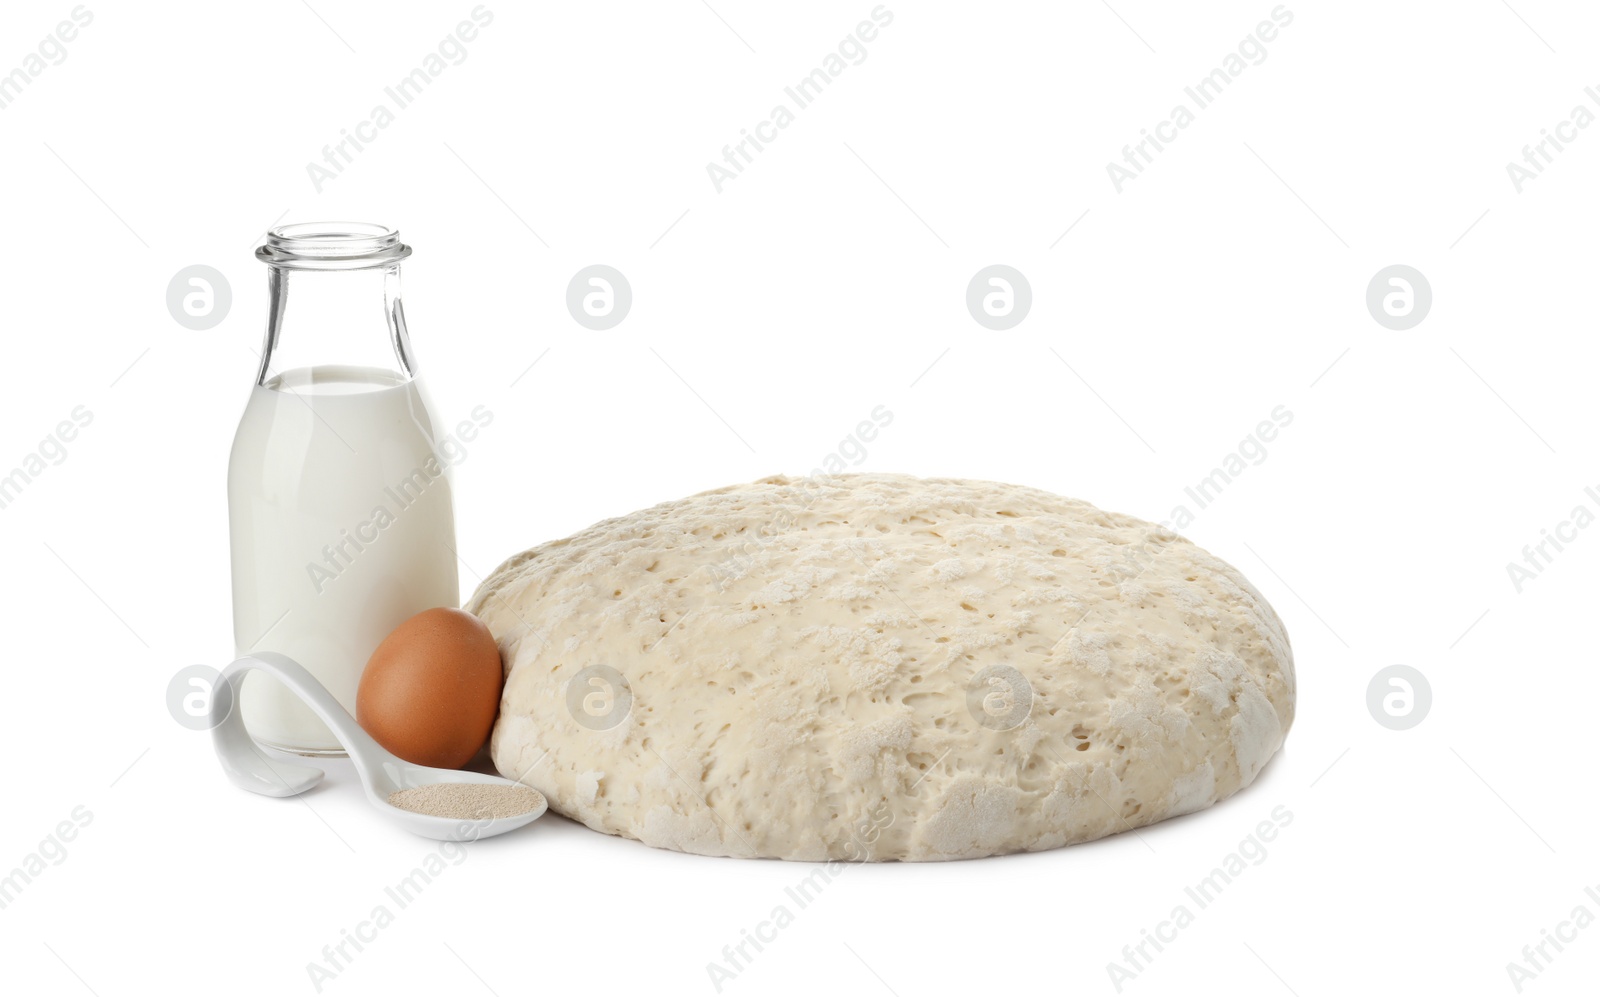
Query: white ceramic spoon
column 381, row 772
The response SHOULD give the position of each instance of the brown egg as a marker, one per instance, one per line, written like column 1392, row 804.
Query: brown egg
column 430, row 690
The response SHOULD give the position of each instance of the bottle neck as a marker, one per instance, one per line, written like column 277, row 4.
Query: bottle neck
column 345, row 318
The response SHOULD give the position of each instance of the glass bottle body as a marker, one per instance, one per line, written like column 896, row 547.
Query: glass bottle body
column 340, row 510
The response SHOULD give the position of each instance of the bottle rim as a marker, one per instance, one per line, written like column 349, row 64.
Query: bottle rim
column 332, row 246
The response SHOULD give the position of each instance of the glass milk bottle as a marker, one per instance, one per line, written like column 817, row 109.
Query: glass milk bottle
column 340, row 510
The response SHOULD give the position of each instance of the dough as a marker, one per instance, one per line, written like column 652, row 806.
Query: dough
column 876, row 667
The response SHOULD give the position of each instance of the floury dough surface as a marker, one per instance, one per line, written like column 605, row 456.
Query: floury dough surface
column 883, row 667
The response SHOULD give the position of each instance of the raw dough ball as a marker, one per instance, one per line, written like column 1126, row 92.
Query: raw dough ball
column 881, row 667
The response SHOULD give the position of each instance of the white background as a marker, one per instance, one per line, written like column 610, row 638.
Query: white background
column 768, row 320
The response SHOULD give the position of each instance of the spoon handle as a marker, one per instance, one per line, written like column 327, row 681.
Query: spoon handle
column 242, row 759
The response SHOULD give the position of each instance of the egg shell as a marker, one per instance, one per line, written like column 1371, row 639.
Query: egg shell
column 430, row 691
